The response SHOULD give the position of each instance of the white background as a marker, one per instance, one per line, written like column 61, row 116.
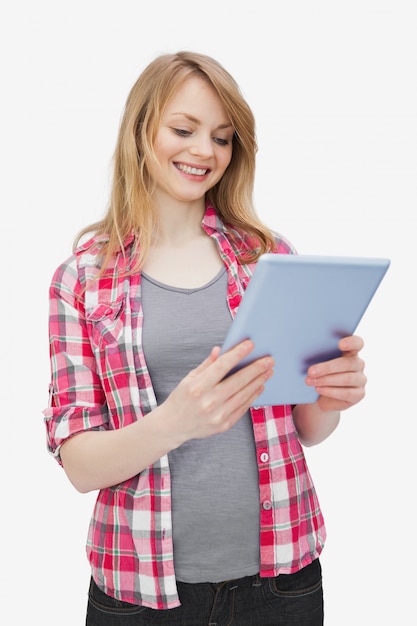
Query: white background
column 334, row 90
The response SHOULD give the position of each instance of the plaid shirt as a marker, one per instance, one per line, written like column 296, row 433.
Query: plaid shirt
column 100, row 381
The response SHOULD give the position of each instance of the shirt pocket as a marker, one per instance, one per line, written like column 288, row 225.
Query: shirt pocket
column 106, row 321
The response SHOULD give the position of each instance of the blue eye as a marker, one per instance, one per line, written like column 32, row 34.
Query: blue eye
column 221, row 142
column 181, row 132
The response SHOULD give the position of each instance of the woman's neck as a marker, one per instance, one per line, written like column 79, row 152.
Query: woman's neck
column 179, row 223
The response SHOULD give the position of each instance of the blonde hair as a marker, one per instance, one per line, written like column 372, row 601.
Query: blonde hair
column 131, row 208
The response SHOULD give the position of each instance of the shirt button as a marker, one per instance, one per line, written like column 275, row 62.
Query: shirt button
column 267, row 505
column 264, row 457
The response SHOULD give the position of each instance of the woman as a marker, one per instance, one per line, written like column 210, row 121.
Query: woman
column 206, row 512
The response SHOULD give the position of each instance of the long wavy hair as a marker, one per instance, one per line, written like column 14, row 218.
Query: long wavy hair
column 131, row 208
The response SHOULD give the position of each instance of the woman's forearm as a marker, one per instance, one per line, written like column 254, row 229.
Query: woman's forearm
column 204, row 403
column 313, row 424
column 99, row 459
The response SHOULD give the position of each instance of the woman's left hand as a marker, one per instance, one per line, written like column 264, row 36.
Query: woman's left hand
column 340, row 382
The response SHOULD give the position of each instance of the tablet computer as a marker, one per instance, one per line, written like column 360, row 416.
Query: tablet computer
column 296, row 308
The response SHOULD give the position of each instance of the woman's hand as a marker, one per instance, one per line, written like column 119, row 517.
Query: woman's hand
column 204, row 403
column 340, row 382
column 207, row 401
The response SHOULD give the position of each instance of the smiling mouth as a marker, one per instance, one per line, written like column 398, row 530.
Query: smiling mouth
column 197, row 171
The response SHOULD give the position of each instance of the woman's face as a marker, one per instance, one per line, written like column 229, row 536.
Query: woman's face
column 193, row 144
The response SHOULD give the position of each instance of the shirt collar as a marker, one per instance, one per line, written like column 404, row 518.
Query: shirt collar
column 211, row 221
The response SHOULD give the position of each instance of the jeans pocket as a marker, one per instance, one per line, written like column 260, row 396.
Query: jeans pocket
column 297, row 594
column 100, row 603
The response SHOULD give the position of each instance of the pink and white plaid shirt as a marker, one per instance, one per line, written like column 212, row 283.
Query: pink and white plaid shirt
column 100, row 381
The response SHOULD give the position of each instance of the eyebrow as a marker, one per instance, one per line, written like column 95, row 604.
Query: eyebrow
column 196, row 121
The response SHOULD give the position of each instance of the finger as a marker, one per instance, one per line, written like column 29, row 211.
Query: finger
column 344, row 390
column 235, row 413
column 240, row 402
column 339, row 365
column 248, row 379
column 239, row 389
column 351, row 345
column 217, row 366
column 207, row 361
column 352, row 378
column 339, row 398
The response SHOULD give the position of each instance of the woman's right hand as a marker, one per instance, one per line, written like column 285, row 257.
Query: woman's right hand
column 207, row 401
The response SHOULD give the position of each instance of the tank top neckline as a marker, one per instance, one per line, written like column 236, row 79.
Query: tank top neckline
column 162, row 285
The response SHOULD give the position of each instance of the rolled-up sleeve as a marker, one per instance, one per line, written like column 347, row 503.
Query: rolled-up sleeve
column 77, row 401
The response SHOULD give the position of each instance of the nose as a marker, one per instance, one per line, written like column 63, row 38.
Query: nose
column 202, row 145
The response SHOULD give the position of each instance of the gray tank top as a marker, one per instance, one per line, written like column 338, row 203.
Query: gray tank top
column 215, row 491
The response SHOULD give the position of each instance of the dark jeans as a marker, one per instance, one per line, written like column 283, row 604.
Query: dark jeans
column 287, row 600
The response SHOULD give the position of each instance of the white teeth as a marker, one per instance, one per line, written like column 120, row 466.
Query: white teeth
column 191, row 170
